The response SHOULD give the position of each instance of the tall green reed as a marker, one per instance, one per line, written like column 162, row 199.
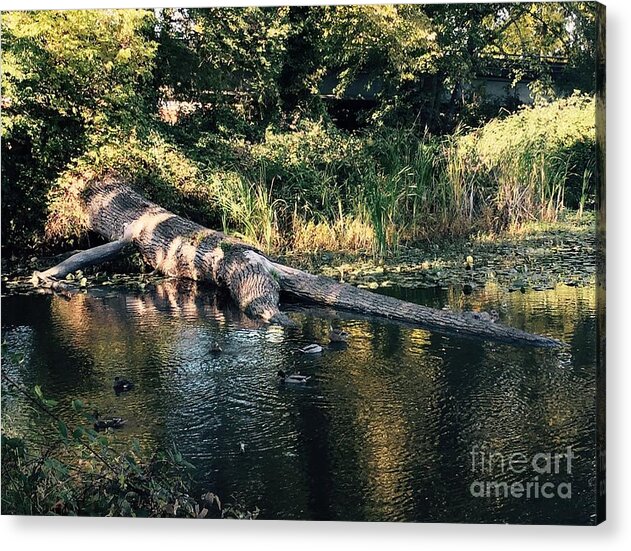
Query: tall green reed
column 383, row 195
column 398, row 185
column 586, row 181
column 248, row 204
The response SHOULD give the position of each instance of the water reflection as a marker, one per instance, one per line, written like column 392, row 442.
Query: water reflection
column 384, row 430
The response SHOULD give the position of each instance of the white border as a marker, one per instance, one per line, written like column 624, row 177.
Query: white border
column 106, row 534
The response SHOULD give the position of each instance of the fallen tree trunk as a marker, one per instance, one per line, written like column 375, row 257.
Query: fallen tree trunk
column 179, row 247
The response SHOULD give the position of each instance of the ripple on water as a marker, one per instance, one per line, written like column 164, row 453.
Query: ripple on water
column 384, row 428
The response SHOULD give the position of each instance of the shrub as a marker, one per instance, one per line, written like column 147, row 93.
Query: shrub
column 69, row 78
column 533, row 163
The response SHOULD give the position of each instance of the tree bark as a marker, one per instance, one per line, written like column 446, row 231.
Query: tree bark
column 179, row 247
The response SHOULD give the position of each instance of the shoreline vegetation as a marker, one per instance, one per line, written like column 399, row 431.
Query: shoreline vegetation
column 320, row 189
column 438, row 195
column 535, row 257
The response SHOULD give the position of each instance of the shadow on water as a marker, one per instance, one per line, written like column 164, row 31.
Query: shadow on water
column 387, row 429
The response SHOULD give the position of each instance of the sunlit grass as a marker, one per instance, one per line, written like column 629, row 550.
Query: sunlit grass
column 317, row 188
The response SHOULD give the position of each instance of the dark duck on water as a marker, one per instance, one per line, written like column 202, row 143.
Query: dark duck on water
column 337, row 335
column 107, row 422
column 122, row 385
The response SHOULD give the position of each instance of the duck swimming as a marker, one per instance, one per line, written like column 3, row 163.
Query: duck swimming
column 122, row 385
column 311, row 349
column 292, row 379
column 215, row 348
column 337, row 335
column 108, row 423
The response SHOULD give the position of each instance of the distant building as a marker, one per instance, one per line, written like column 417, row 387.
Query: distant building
column 495, row 85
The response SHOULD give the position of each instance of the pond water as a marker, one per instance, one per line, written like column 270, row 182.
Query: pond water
column 395, row 426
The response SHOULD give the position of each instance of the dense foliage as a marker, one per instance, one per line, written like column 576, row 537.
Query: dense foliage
column 537, row 160
column 333, row 126
column 70, row 80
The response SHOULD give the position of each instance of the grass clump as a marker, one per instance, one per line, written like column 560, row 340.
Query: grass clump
column 537, row 161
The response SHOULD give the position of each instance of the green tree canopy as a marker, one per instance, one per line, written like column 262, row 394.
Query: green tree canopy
column 70, row 79
column 417, row 60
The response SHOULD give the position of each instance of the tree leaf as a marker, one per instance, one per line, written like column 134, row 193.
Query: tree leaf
column 63, row 429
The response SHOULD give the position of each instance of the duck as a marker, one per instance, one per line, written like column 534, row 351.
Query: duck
column 122, row 385
column 108, row 423
column 337, row 335
column 215, row 348
column 292, row 379
column 311, row 349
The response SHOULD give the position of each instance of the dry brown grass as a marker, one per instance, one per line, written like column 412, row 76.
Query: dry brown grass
column 347, row 233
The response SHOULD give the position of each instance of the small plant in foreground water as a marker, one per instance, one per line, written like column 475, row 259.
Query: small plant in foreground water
column 78, row 471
